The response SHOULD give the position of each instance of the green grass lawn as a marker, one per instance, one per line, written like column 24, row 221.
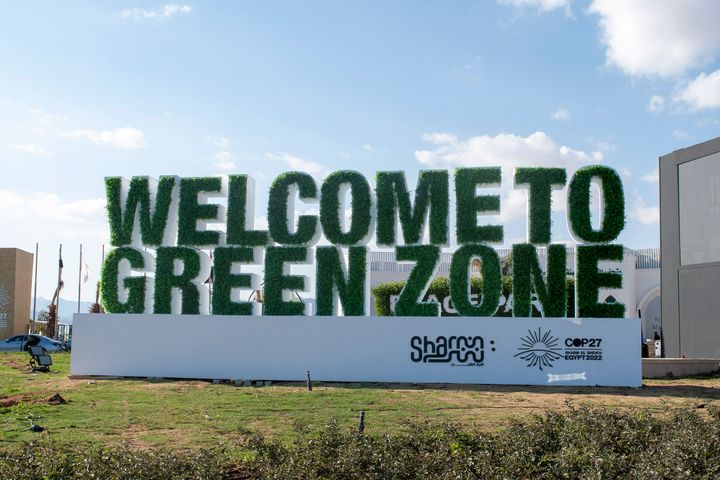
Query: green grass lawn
column 192, row 414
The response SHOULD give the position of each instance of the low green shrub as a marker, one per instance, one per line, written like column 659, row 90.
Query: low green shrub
column 440, row 287
column 587, row 443
column 583, row 443
column 49, row 461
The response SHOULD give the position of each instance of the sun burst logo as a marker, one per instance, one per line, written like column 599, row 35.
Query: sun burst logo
column 539, row 349
column 4, row 297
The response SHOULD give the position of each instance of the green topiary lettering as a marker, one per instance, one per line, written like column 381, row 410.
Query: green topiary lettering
column 135, row 286
column 590, row 280
column 469, row 204
column 426, row 258
column 527, row 274
column 281, row 205
column 460, row 280
column 540, row 182
column 151, row 198
column 278, row 282
column 330, row 278
column 225, row 281
column 613, row 205
column 331, row 213
column 431, row 199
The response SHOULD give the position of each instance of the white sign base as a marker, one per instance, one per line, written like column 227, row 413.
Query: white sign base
column 474, row 350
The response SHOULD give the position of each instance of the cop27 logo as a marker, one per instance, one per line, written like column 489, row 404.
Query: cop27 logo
column 4, row 298
column 460, row 349
column 539, row 349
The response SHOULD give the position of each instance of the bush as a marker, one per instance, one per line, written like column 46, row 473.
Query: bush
column 48, row 461
column 440, row 287
column 581, row 443
column 586, row 443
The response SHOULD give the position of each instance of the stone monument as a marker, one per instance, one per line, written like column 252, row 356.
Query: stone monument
column 15, row 291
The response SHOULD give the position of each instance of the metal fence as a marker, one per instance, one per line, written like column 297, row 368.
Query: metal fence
column 647, row 258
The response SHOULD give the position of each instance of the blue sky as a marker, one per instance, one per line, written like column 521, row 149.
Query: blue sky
column 92, row 89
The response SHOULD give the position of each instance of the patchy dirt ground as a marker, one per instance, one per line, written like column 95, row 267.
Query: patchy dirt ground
column 184, row 414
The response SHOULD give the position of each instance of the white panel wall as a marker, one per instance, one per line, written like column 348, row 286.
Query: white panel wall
column 361, row 349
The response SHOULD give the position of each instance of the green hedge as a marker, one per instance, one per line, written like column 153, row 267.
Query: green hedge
column 590, row 280
column 426, row 257
column 330, row 277
column 153, row 219
column 361, row 207
column 190, row 210
column 528, row 277
column 166, row 280
column 135, row 302
column 468, row 204
column 276, row 280
column 460, row 280
column 307, row 229
column 540, row 182
column 224, row 280
column 238, row 186
column 578, row 443
column 431, row 194
column 440, row 287
column 579, row 217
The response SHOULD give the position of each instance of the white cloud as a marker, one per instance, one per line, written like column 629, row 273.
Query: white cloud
column 474, row 63
column 43, row 123
column 225, row 162
column 50, row 219
column 507, row 151
column 560, row 114
column 368, row 148
column 167, row 11
column 223, row 142
column 38, row 207
column 542, row 5
column 665, row 38
column 48, row 117
column 656, row 104
column 513, row 205
column 223, row 156
column 644, row 214
column 32, row 149
column 125, row 137
column 297, row 163
column 707, row 121
column 439, row 138
column 605, row 146
column 702, row 93
column 652, row 177
column 680, row 134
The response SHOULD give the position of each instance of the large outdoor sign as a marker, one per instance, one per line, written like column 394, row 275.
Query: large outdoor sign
column 532, row 351
column 168, row 246
column 172, row 217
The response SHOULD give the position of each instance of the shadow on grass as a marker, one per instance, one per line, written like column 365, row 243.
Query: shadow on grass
column 678, row 387
column 646, row 391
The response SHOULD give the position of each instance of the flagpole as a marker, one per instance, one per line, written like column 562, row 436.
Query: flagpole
column 80, row 265
column 35, row 287
column 57, row 304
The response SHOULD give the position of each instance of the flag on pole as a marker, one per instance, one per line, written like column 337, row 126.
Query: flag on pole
column 85, row 271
